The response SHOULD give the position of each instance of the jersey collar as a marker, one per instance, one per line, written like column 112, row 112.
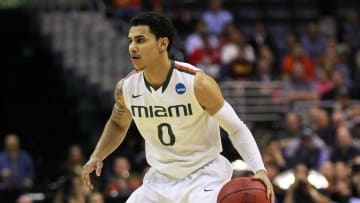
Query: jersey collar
column 166, row 82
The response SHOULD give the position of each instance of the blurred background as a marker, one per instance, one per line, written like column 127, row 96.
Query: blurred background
column 290, row 68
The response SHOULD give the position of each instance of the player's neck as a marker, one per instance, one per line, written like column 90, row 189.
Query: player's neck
column 157, row 73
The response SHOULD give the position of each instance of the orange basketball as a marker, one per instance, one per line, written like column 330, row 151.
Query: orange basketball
column 243, row 190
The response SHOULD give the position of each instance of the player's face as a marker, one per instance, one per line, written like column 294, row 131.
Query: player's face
column 143, row 47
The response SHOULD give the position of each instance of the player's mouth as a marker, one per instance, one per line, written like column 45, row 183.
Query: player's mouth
column 135, row 58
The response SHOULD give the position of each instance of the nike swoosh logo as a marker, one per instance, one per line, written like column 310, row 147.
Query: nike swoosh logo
column 136, row 96
column 207, row 190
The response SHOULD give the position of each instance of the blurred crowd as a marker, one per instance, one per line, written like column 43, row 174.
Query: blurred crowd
column 317, row 64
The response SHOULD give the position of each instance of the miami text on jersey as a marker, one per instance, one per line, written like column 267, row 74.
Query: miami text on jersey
column 161, row 111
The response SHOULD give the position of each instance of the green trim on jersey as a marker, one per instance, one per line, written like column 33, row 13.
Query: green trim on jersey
column 168, row 77
column 147, row 85
column 167, row 80
column 185, row 71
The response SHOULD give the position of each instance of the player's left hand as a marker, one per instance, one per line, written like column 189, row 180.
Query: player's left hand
column 263, row 177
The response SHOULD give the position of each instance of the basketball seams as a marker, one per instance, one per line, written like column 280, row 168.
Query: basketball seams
column 236, row 191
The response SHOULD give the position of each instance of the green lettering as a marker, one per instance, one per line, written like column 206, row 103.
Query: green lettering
column 160, row 111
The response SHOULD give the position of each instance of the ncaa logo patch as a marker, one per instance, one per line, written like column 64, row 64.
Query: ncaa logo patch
column 180, row 88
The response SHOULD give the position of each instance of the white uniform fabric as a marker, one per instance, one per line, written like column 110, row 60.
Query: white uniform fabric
column 183, row 142
column 180, row 136
column 201, row 186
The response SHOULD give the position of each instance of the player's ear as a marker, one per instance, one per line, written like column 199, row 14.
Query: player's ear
column 163, row 43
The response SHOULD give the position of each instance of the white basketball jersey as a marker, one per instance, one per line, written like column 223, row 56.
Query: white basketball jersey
column 180, row 136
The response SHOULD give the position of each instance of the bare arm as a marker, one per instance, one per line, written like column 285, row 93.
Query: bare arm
column 208, row 93
column 116, row 127
column 112, row 136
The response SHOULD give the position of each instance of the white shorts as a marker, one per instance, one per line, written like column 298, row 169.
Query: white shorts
column 201, row 186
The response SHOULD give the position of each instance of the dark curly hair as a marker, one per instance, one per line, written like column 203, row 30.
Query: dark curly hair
column 158, row 24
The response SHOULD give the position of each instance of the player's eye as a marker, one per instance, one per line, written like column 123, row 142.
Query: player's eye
column 140, row 40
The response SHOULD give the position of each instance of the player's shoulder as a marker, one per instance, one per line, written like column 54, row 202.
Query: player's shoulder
column 132, row 74
column 204, row 82
column 186, row 68
column 120, row 84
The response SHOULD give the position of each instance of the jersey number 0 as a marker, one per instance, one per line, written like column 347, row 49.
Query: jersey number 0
column 170, row 134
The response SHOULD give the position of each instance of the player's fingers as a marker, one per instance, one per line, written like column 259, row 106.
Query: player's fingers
column 86, row 177
column 87, row 182
column 268, row 185
column 99, row 166
column 270, row 191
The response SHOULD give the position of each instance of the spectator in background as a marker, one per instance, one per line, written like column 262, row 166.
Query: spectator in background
column 157, row 7
column 125, row 9
column 272, row 154
column 309, row 152
column 297, row 55
column 355, row 176
column 336, row 50
column 78, row 193
column 291, row 39
column 298, row 87
column 24, row 198
column 342, row 101
column 342, row 171
column 225, row 36
column 351, row 28
column 327, row 169
column 344, row 149
column 260, row 38
column 195, row 41
column 183, row 22
column 237, row 57
column 323, row 82
column 342, row 192
column 216, row 18
column 264, row 70
column 356, row 74
column 302, row 191
column 265, row 52
column 354, row 122
column 338, row 80
column 237, row 46
column 328, row 26
column 74, row 162
column 307, row 148
column 206, row 58
column 16, row 168
column 320, row 122
column 123, row 181
column 331, row 62
column 338, row 120
column 292, row 129
column 72, row 191
column 313, row 41
column 96, row 197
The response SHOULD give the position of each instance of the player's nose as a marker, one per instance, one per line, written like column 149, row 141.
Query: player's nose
column 133, row 48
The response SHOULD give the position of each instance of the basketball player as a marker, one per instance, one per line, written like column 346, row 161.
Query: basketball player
column 177, row 109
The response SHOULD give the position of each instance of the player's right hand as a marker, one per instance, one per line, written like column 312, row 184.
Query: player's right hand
column 88, row 168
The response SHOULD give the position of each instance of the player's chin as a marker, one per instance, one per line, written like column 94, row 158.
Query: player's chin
column 138, row 67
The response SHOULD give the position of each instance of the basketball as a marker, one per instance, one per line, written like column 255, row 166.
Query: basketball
column 243, row 190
